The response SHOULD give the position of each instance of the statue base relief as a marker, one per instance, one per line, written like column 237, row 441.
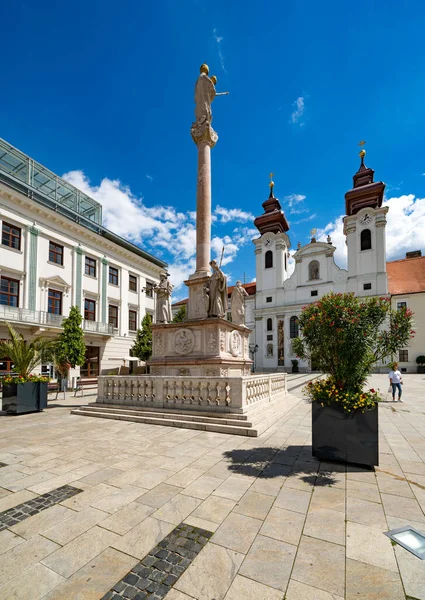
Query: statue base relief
column 200, row 347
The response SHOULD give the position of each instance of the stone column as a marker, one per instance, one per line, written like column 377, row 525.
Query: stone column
column 205, row 138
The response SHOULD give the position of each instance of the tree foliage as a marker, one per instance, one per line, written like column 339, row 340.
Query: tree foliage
column 180, row 315
column 345, row 335
column 70, row 348
column 26, row 355
column 142, row 347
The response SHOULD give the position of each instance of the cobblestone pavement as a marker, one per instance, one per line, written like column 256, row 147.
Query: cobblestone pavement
column 282, row 525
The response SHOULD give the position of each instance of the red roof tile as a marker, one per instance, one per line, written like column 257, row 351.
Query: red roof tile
column 406, row 276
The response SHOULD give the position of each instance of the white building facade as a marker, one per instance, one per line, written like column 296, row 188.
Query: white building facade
column 279, row 298
column 55, row 253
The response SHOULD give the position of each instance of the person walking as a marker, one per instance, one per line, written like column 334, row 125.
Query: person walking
column 396, row 382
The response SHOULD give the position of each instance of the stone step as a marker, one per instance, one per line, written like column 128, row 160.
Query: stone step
column 137, row 418
column 225, row 419
column 172, row 411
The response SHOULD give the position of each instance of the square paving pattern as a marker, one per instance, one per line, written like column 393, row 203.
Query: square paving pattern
column 23, row 511
column 95, row 509
column 153, row 577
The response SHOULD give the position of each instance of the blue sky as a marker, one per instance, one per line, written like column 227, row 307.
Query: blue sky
column 103, row 91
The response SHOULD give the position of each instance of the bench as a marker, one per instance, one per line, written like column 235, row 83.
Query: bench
column 85, row 384
column 54, row 386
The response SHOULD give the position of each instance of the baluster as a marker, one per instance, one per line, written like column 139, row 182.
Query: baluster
column 176, row 397
column 191, row 394
column 167, row 391
column 152, row 390
column 227, row 400
column 217, row 393
column 208, row 392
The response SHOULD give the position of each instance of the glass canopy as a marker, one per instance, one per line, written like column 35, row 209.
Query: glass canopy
column 25, row 174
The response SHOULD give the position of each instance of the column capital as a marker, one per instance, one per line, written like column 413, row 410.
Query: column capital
column 79, row 250
column 203, row 132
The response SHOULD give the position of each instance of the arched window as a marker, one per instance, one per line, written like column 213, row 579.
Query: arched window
column 314, row 270
column 293, row 327
column 269, row 259
column 286, row 262
column 269, row 325
column 365, row 240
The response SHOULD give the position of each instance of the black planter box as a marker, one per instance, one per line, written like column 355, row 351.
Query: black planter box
column 342, row 437
column 20, row 398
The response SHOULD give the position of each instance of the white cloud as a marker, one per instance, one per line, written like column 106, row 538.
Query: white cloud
column 219, row 39
column 160, row 229
column 232, row 214
column 405, row 229
column 310, row 218
column 298, row 111
column 294, row 199
column 149, row 177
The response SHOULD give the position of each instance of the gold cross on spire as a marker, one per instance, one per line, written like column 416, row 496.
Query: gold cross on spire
column 271, row 184
column 362, row 152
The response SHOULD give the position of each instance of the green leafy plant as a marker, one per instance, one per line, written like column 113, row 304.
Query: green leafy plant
column 26, row 355
column 30, row 379
column 70, row 348
column 142, row 347
column 345, row 336
column 420, row 360
column 180, row 315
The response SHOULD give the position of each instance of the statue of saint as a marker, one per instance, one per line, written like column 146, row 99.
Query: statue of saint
column 204, row 95
column 313, row 269
column 238, row 304
column 163, row 300
column 217, row 292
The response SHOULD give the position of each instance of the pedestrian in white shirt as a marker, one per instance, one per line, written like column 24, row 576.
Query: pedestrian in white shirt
column 396, row 381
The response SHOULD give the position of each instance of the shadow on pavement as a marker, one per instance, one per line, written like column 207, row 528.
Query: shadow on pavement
column 293, row 461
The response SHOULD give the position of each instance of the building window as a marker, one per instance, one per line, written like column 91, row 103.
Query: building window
column 132, row 283
column 113, row 315
column 365, row 240
column 90, row 310
column 270, row 337
column 55, row 253
column 314, row 293
column 403, row 356
column 113, row 276
column 90, row 267
column 269, row 325
column 132, row 320
column 367, row 286
column 293, row 327
column 11, row 236
column 9, row 292
column 269, row 298
column 54, row 306
column 149, row 289
column 314, row 270
column 269, row 259
column 401, row 305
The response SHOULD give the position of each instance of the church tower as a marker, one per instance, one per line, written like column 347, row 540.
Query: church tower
column 364, row 228
column 272, row 247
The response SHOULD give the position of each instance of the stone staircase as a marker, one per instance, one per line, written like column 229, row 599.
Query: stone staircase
column 251, row 424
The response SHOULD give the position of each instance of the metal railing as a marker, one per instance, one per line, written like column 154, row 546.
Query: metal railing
column 39, row 317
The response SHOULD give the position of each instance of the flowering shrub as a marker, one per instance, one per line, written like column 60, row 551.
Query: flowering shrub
column 327, row 393
column 29, row 379
column 345, row 335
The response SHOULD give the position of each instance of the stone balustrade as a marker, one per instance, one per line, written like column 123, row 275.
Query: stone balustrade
column 213, row 394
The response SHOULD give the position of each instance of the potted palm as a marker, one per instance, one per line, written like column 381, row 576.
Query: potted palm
column 25, row 392
column 420, row 361
column 345, row 336
column 295, row 368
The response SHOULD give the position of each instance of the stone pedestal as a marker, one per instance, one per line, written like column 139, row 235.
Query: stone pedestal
column 202, row 347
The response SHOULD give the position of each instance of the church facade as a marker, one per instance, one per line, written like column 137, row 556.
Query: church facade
column 280, row 297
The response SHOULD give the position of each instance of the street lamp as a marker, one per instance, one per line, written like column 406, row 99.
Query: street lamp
column 253, row 348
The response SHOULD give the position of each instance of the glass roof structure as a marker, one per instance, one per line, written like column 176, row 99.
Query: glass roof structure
column 25, row 175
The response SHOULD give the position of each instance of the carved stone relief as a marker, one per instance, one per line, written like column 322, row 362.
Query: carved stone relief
column 184, row 372
column 222, row 341
column 184, row 341
column 212, row 341
column 211, row 373
column 224, row 372
column 159, row 343
column 235, row 343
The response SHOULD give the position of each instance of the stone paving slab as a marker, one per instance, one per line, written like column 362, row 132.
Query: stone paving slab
column 281, row 522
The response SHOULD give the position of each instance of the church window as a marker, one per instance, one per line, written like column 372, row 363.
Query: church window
column 401, row 305
column 270, row 337
column 269, row 325
column 365, row 240
column 367, row 286
column 293, row 327
column 314, row 270
column 286, row 262
column 403, row 356
column 269, row 259
column 269, row 298
column 314, row 293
